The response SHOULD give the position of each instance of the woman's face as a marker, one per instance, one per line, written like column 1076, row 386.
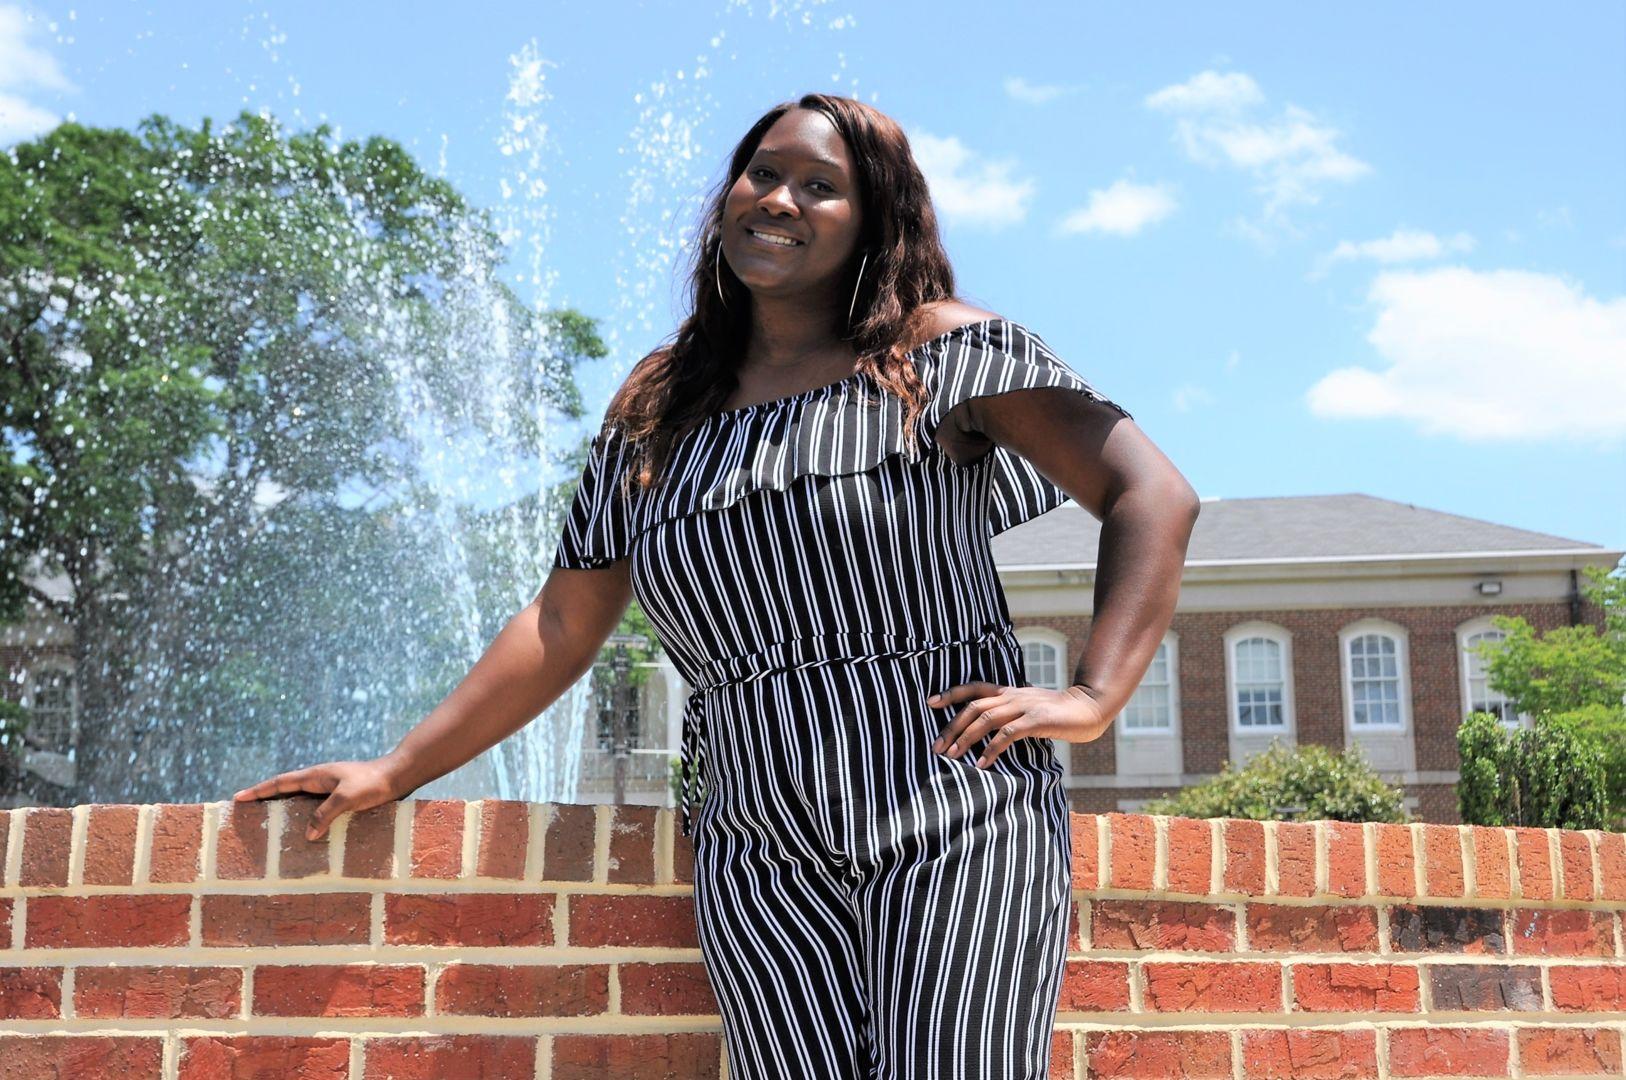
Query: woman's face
column 799, row 183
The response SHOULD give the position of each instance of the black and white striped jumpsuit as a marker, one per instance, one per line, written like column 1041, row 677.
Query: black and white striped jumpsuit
column 866, row 907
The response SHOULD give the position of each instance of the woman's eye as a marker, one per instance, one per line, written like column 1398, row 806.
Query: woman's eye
column 761, row 169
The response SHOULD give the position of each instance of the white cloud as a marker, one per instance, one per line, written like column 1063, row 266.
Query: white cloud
column 968, row 187
column 1290, row 158
column 1123, row 209
column 1188, row 396
column 1019, row 89
column 1401, row 246
column 25, row 68
column 1488, row 356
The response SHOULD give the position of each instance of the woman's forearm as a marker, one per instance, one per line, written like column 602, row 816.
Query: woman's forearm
column 1144, row 537
column 525, row 669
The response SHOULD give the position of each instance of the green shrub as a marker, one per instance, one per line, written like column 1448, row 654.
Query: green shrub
column 1550, row 775
column 1309, row 782
column 1605, row 727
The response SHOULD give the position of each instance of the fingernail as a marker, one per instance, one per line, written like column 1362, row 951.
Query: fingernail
column 310, row 834
column 982, row 762
column 933, row 699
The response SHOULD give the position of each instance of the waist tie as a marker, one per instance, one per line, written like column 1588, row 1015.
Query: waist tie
column 794, row 655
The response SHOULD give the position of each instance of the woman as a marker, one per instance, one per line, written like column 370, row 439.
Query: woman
column 801, row 490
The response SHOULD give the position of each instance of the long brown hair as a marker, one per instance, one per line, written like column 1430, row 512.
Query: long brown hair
column 681, row 383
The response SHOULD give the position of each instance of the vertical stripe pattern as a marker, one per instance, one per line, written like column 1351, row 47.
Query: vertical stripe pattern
column 866, row 907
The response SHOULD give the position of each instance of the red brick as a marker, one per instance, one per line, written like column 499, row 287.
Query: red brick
column 338, row 990
column 1061, row 1056
column 1593, row 988
column 1569, row 1051
column 1161, row 924
column 161, row 993
column 1448, row 1052
column 1295, row 859
column 251, row 1057
column 632, row 845
column 1575, row 862
column 1346, row 858
column 1191, row 856
column 1305, row 1054
column 1245, row 857
column 1212, row 987
column 1543, row 932
column 605, row 919
column 1387, row 988
column 47, row 844
column 665, row 989
column 569, row 842
column 369, row 842
column 1283, row 928
column 177, row 841
column 1491, row 881
column 1612, row 865
column 1442, row 860
column 434, row 1057
column 689, row 1054
column 299, row 857
column 1535, row 864
column 240, row 841
column 1094, row 986
column 525, row 990
column 1132, row 851
column 30, row 993
column 505, row 834
column 1481, row 987
column 1158, row 1055
column 1396, row 860
column 293, row 919
column 437, row 838
column 91, row 1057
column 1086, row 852
column 110, row 844
column 108, row 921
column 469, row 919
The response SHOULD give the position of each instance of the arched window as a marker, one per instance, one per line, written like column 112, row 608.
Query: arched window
column 1259, row 688
column 50, row 695
column 1044, row 659
column 1477, row 693
column 1374, row 681
column 1151, row 708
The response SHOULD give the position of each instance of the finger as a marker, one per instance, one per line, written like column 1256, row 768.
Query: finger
column 269, row 787
column 1002, row 741
column 953, row 695
column 990, row 715
column 331, row 807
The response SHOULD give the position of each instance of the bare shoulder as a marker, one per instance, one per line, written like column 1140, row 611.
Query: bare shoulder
column 945, row 315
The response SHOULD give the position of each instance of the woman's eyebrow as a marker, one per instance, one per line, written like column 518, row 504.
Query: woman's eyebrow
column 826, row 162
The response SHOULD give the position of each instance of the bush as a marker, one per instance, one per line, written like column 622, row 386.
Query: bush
column 1309, row 782
column 1548, row 776
column 1605, row 727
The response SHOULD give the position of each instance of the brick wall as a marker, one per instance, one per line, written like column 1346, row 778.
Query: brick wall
column 446, row 939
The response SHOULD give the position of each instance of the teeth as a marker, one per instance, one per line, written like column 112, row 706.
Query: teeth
column 783, row 240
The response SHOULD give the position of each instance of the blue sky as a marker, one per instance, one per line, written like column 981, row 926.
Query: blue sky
column 1314, row 249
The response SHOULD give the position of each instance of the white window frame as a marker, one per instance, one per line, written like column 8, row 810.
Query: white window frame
column 1170, row 647
column 1396, row 634
column 30, row 680
column 1236, row 635
column 1043, row 635
column 1480, row 624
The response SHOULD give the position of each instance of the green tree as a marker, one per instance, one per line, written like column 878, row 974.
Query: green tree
column 1572, row 676
column 1546, row 776
column 215, row 345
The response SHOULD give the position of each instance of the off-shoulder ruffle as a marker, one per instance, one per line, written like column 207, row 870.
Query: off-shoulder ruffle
column 845, row 427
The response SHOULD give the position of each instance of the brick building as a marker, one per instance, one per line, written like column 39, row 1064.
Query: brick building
column 1331, row 619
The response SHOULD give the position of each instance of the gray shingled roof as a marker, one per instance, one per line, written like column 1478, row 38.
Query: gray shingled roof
column 1289, row 527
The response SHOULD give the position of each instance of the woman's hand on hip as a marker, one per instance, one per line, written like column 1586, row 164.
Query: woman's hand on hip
column 1016, row 712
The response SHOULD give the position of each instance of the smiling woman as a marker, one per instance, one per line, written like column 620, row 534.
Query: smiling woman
column 796, row 490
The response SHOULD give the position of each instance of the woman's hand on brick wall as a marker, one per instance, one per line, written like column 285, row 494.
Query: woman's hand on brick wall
column 349, row 786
